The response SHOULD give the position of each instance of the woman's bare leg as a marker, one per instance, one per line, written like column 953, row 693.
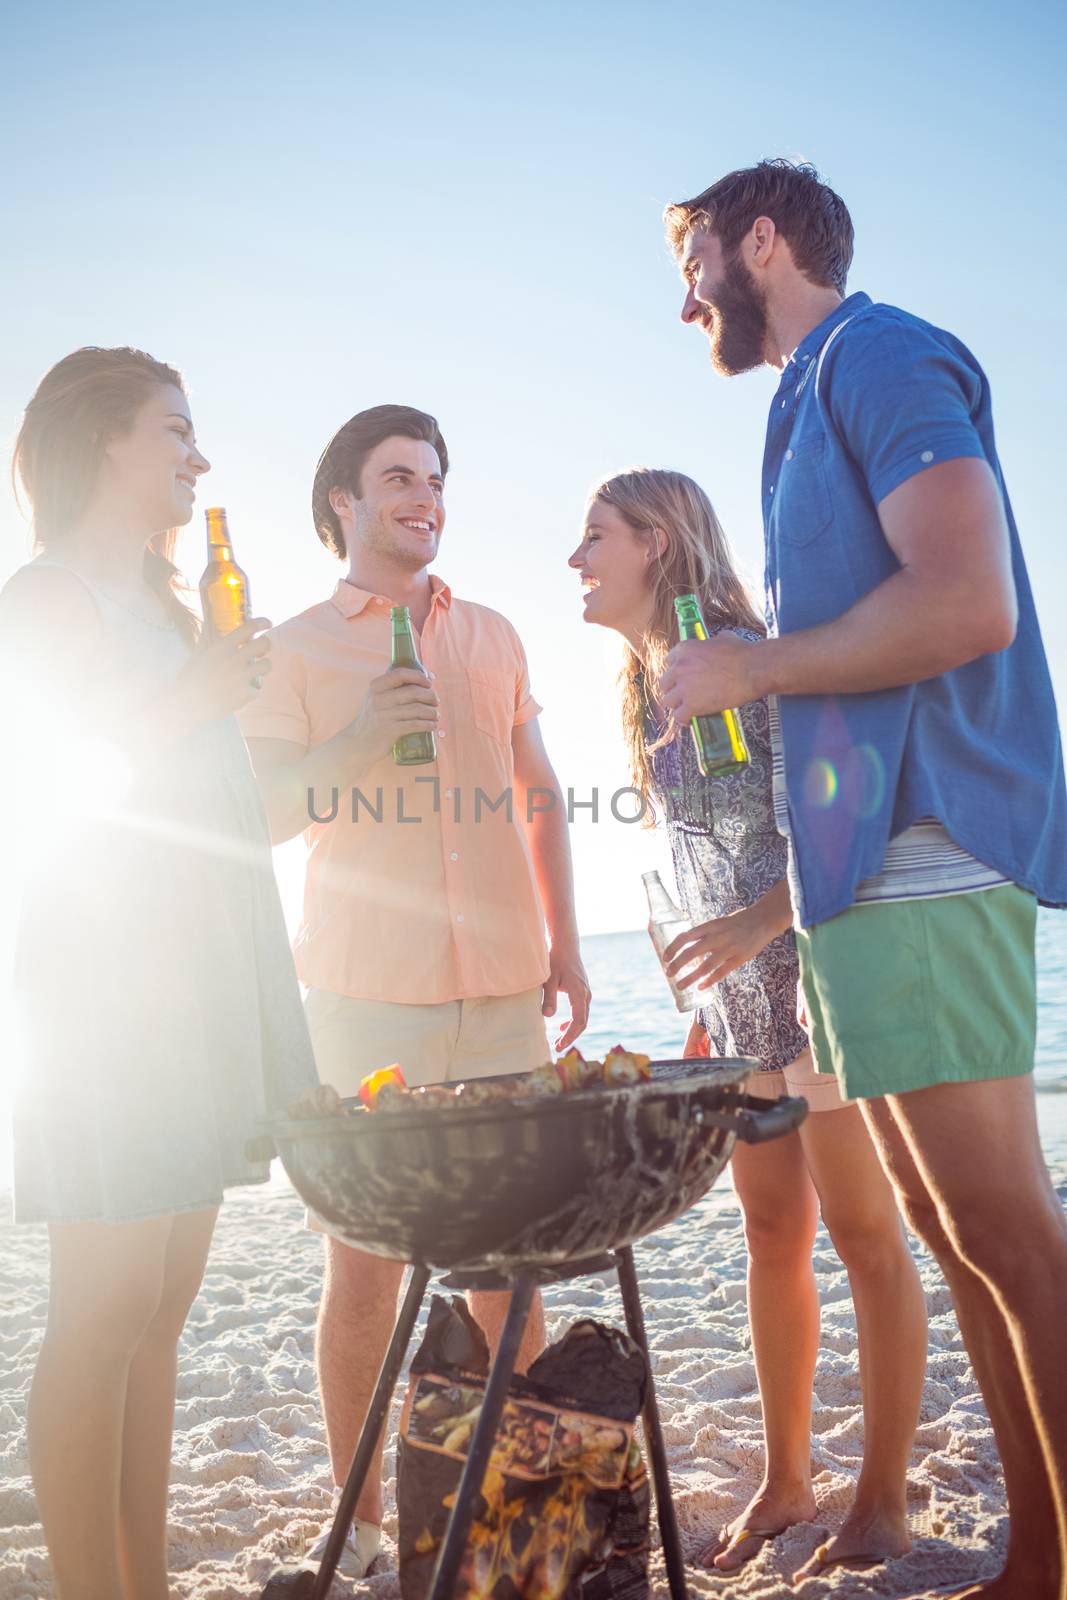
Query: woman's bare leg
column 149, row 1417
column 105, row 1288
column 860, row 1212
column 780, row 1215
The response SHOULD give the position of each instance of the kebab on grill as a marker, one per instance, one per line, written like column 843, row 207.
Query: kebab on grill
column 386, row 1090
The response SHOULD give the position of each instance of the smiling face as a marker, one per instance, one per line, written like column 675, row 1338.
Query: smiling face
column 150, row 471
column 613, row 560
column 399, row 513
column 725, row 300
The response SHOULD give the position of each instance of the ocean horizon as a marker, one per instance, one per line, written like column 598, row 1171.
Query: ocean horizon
column 632, row 1005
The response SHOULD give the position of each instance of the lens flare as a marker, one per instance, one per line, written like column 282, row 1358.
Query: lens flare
column 865, row 781
column 820, row 785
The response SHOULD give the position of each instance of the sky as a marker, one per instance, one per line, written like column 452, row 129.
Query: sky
column 313, row 209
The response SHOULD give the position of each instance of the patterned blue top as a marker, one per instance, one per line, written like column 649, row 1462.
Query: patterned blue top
column 727, row 853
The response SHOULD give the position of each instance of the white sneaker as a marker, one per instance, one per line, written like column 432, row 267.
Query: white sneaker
column 362, row 1546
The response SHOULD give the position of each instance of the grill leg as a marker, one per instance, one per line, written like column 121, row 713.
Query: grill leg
column 668, row 1522
column 470, row 1484
column 372, row 1427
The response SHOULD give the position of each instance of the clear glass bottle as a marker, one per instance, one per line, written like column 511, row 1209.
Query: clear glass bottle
column 665, row 922
column 223, row 587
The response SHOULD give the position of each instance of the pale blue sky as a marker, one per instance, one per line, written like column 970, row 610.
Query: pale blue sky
column 316, row 208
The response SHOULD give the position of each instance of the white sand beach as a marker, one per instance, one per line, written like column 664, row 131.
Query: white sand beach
column 250, row 1479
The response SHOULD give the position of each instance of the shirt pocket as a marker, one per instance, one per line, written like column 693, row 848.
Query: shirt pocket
column 492, row 692
column 803, row 507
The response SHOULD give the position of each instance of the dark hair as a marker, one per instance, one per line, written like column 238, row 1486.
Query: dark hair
column 342, row 460
column 811, row 218
column 79, row 405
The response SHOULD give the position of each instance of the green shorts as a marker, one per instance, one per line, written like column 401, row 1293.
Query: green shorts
column 904, row 994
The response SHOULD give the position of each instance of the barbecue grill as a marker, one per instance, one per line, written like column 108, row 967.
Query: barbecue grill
column 511, row 1194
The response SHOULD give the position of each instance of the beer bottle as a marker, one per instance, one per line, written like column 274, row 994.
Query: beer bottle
column 411, row 749
column 224, row 587
column 717, row 735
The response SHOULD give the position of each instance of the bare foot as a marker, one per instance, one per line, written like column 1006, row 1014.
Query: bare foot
column 861, row 1541
column 770, row 1511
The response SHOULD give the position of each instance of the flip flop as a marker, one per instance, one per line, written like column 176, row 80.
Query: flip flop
column 730, row 1541
column 827, row 1561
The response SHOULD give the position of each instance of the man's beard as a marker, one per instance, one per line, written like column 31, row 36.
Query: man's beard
column 739, row 327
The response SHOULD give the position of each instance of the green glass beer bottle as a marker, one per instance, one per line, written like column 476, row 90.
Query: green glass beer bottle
column 223, row 587
column 717, row 735
column 412, row 749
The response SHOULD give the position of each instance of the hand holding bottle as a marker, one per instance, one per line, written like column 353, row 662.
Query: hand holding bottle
column 666, row 923
column 710, row 951
column 223, row 674
column 705, row 953
column 398, row 702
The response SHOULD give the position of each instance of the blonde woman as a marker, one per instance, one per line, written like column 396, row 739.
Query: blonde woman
column 648, row 537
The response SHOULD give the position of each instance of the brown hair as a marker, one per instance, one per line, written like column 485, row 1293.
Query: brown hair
column 80, row 403
column 342, row 460
column 697, row 560
column 811, row 218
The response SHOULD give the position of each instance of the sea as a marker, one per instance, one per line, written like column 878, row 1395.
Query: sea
column 632, row 1005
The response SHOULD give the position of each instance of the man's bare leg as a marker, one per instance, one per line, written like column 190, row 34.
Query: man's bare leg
column 1034, row 1568
column 356, row 1319
column 489, row 1309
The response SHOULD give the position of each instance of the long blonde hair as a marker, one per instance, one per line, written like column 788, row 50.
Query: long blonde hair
column 696, row 560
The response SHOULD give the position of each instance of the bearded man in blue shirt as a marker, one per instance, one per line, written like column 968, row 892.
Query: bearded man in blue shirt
column 919, row 780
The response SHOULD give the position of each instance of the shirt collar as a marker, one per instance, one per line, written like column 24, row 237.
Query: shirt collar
column 812, row 342
column 352, row 601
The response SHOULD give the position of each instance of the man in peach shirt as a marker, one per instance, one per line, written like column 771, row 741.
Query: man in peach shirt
column 428, row 888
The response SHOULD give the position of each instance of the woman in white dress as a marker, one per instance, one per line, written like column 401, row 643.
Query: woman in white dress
column 159, row 1009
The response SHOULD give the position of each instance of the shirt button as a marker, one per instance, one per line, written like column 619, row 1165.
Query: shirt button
column 789, row 455
column 927, row 455
column 432, row 676
column 459, row 916
column 772, row 488
column 441, row 733
column 454, row 856
column 448, row 794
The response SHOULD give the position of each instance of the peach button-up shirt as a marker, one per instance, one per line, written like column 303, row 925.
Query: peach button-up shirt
column 417, row 889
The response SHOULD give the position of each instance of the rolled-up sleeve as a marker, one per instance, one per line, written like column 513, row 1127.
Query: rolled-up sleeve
column 526, row 707
column 902, row 400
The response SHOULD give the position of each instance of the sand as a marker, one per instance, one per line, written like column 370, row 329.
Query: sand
column 251, row 1483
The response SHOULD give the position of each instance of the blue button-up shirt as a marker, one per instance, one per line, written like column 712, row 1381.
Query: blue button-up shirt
column 869, row 398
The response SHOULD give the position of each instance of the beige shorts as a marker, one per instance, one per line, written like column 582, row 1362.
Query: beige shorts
column 433, row 1044
column 799, row 1077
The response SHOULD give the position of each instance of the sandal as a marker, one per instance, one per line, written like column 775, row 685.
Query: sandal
column 730, row 1541
column 827, row 1562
